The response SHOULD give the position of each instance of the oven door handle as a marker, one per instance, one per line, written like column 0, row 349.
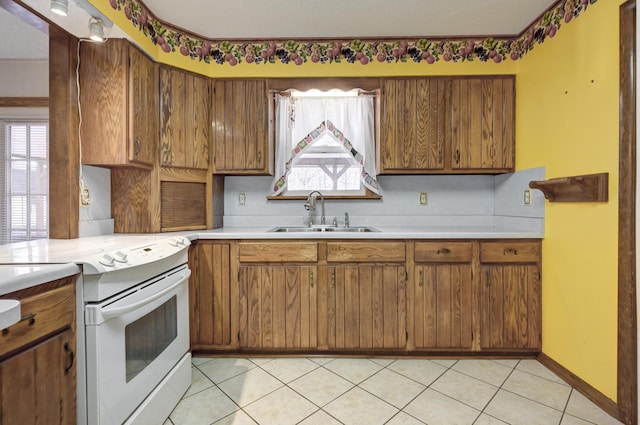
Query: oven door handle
column 110, row 313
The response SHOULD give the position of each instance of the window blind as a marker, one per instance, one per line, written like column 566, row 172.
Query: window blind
column 24, row 183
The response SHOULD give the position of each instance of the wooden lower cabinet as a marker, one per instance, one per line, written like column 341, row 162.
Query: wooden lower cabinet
column 37, row 357
column 459, row 296
column 510, row 313
column 39, row 385
column 443, row 306
column 363, row 307
column 211, row 293
column 510, row 299
column 278, row 307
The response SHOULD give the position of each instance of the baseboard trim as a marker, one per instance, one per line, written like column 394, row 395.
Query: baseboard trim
column 579, row 384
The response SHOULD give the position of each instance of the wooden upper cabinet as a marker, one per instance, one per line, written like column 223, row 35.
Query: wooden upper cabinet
column 452, row 125
column 414, row 125
column 185, row 120
column 241, row 127
column 118, row 99
column 483, row 128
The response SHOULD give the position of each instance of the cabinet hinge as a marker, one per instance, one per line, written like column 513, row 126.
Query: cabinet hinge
column 406, row 276
column 406, row 335
column 238, row 335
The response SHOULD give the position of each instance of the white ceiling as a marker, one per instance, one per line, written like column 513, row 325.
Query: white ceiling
column 294, row 19
column 260, row 19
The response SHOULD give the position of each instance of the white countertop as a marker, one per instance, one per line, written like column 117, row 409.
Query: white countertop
column 31, row 263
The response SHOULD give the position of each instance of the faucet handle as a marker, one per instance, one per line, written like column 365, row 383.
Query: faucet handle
column 335, row 221
column 346, row 219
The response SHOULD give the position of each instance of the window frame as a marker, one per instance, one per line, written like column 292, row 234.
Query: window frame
column 325, row 84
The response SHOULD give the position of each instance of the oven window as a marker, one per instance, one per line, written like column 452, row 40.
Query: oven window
column 148, row 336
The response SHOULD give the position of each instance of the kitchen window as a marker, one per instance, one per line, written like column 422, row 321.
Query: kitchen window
column 326, row 141
column 24, row 166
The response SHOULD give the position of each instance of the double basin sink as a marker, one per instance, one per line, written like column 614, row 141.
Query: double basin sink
column 287, row 229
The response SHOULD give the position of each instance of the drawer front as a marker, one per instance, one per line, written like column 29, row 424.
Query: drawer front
column 443, row 252
column 50, row 311
column 509, row 252
column 273, row 252
column 366, row 252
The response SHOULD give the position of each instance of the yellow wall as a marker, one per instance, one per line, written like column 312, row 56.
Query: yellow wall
column 567, row 121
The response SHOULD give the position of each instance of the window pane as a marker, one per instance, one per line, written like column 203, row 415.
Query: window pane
column 18, row 140
column 39, row 214
column 38, row 139
column 18, row 216
column 18, row 177
column 39, row 177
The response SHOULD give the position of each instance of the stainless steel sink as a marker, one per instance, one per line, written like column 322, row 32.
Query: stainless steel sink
column 361, row 229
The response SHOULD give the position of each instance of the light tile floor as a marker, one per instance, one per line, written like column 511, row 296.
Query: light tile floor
column 332, row 391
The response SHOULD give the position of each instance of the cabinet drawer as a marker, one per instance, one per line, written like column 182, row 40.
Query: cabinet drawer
column 52, row 310
column 443, row 252
column 509, row 252
column 366, row 252
column 285, row 252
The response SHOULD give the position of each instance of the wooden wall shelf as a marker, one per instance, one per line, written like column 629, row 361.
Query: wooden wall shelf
column 585, row 188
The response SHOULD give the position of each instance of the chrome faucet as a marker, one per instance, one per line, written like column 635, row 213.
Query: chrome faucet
column 310, row 205
column 346, row 220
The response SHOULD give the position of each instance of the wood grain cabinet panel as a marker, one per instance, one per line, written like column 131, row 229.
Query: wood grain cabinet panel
column 443, row 306
column 211, row 296
column 415, row 125
column 278, row 307
column 278, row 252
column 483, row 127
column 37, row 357
column 367, row 252
column 363, row 307
column 38, row 385
column 510, row 298
column 119, row 101
column 185, row 119
column 241, row 127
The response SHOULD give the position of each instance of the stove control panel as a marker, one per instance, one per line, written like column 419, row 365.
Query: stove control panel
column 135, row 256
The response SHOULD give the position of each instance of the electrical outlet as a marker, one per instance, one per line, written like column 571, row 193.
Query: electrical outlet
column 422, row 198
column 242, row 198
column 85, row 199
column 527, row 197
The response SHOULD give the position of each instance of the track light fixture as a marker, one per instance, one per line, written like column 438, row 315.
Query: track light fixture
column 59, row 7
column 96, row 30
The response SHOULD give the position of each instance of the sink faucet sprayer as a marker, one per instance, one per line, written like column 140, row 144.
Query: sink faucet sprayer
column 310, row 205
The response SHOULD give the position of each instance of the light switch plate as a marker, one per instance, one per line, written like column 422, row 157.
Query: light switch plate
column 527, row 197
column 422, row 198
column 242, row 198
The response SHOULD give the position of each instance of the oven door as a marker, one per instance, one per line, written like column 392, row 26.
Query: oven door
column 133, row 341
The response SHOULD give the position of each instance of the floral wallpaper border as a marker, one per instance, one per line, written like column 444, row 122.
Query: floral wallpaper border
column 175, row 41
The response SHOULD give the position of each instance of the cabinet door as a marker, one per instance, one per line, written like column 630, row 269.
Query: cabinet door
column 415, row 125
column 210, row 296
column 483, row 124
column 278, row 307
column 442, row 306
column 510, row 307
column 143, row 109
column 240, row 123
column 198, row 122
column 365, row 307
column 173, row 88
column 38, row 385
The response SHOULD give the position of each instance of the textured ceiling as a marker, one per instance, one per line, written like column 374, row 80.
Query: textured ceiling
column 260, row 19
